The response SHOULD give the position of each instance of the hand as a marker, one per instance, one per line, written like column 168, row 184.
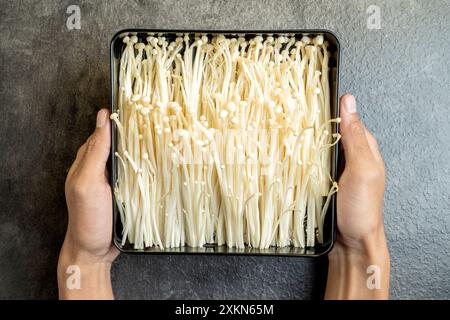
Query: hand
column 88, row 242
column 361, row 186
column 360, row 238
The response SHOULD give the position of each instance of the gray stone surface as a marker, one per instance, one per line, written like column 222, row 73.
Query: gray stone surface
column 53, row 81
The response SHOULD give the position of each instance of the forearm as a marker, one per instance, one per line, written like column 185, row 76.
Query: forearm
column 362, row 274
column 82, row 280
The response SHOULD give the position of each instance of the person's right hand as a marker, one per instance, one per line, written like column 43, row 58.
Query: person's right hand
column 360, row 239
column 361, row 186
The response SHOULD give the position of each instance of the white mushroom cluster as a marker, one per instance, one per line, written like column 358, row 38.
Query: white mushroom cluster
column 225, row 140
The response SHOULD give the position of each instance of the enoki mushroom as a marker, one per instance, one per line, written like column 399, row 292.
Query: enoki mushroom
column 224, row 140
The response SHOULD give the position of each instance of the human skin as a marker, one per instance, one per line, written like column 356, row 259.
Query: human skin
column 360, row 240
column 88, row 242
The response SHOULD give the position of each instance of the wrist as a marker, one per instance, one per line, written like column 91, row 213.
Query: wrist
column 369, row 248
column 71, row 253
column 359, row 272
column 82, row 276
column 67, row 259
column 77, row 280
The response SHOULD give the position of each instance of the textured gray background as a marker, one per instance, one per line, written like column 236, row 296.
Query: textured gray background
column 53, row 81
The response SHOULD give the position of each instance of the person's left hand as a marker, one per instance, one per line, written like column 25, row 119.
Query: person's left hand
column 88, row 242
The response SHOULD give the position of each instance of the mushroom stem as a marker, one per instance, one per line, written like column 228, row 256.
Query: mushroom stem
column 224, row 140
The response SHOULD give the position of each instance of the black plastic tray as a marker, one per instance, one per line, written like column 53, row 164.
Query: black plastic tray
column 116, row 47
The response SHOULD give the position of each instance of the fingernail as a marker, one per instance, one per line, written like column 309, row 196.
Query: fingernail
column 350, row 104
column 102, row 115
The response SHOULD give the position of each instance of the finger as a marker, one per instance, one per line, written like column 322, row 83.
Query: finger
column 354, row 140
column 80, row 155
column 374, row 146
column 97, row 147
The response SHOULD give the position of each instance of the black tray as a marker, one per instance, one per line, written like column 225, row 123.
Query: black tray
column 329, row 228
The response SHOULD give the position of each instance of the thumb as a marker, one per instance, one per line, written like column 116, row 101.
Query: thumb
column 353, row 133
column 98, row 146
